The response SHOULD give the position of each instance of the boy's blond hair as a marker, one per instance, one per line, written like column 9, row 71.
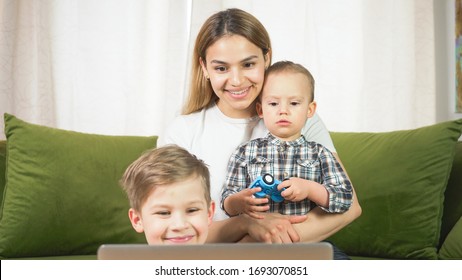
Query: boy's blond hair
column 161, row 166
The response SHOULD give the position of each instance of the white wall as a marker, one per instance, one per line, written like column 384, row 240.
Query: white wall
column 406, row 74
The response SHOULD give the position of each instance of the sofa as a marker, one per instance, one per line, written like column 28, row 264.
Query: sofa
column 61, row 198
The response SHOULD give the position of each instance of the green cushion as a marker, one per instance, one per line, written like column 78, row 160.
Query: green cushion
column 62, row 193
column 452, row 246
column 400, row 179
column 453, row 196
column 451, row 229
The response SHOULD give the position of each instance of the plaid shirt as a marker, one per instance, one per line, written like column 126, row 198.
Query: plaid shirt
column 298, row 158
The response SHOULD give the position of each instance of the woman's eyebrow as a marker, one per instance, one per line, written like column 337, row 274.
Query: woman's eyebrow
column 216, row 61
column 249, row 58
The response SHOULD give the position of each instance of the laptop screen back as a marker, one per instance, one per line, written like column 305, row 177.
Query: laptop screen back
column 222, row 251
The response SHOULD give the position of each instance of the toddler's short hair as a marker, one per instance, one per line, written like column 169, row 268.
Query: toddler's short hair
column 291, row 67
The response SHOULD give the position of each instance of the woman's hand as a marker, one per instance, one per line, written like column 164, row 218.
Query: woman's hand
column 274, row 228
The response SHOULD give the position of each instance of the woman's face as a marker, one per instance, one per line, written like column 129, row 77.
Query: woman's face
column 236, row 68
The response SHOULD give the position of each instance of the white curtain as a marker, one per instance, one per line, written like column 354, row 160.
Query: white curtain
column 121, row 67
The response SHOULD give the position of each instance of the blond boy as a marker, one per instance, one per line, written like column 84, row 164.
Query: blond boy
column 169, row 193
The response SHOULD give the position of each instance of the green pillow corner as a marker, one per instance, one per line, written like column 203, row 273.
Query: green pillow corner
column 451, row 228
column 452, row 246
column 62, row 194
column 400, row 179
column 453, row 196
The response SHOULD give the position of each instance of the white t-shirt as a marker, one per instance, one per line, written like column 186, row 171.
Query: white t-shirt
column 213, row 137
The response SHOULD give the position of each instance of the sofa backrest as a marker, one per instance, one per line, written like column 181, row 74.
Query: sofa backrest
column 452, row 208
column 400, row 178
column 452, row 204
column 2, row 167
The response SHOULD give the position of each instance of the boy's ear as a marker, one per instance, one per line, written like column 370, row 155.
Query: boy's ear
column 211, row 212
column 311, row 109
column 135, row 219
column 259, row 108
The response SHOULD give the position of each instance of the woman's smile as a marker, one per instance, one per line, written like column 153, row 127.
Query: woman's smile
column 239, row 93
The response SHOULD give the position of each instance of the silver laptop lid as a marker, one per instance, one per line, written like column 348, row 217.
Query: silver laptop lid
column 222, row 251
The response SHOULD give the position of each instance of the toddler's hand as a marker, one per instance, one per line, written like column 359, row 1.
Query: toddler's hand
column 296, row 189
column 250, row 205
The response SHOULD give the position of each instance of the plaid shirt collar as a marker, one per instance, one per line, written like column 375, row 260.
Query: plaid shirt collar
column 278, row 142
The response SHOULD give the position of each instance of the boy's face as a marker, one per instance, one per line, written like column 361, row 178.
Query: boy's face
column 175, row 214
column 285, row 104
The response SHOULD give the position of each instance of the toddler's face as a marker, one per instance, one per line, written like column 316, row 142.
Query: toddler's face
column 285, row 104
column 175, row 214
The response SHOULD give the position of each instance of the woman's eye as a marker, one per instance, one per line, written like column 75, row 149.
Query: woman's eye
column 220, row 68
column 249, row 64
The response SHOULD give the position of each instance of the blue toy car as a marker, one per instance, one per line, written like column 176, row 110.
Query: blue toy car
column 269, row 187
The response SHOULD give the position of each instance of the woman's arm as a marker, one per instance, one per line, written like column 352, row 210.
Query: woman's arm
column 228, row 230
column 273, row 228
column 321, row 225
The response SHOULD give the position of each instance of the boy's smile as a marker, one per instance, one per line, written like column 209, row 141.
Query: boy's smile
column 179, row 239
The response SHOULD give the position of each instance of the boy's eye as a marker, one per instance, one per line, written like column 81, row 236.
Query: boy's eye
column 294, row 103
column 162, row 213
column 192, row 210
column 272, row 104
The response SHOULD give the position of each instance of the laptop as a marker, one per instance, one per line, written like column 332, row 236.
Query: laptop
column 221, row 251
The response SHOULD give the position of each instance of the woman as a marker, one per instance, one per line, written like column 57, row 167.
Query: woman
column 231, row 53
